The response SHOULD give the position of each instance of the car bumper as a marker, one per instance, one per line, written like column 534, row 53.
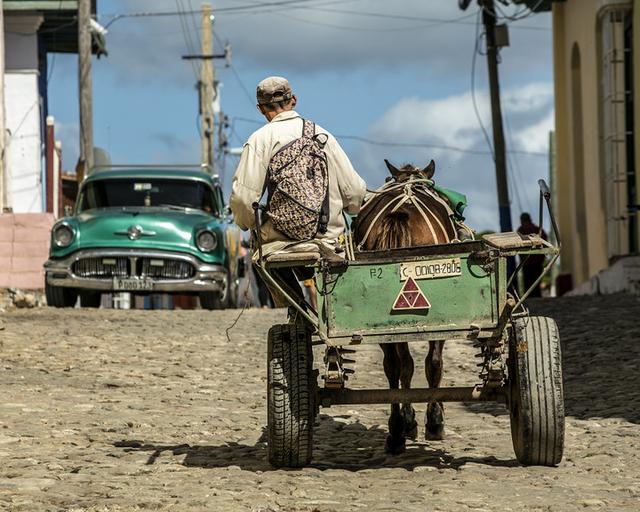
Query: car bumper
column 206, row 277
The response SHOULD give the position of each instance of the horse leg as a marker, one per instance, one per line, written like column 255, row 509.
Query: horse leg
column 395, row 440
column 406, row 374
column 434, row 418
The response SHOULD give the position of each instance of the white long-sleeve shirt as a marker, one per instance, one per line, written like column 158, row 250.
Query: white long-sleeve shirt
column 346, row 187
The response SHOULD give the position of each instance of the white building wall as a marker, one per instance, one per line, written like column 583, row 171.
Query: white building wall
column 22, row 107
column 23, row 115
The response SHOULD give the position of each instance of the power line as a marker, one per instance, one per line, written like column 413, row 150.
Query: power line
column 238, row 8
column 431, row 145
column 521, row 14
column 187, row 39
column 514, row 161
column 196, row 30
column 387, row 16
column 358, row 29
column 476, row 50
column 408, row 144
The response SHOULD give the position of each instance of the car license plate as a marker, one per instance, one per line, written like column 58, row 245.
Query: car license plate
column 430, row 269
column 132, row 285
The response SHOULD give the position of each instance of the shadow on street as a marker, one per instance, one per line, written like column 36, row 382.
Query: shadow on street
column 350, row 446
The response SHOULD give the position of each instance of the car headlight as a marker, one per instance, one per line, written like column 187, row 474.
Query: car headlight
column 62, row 235
column 206, row 241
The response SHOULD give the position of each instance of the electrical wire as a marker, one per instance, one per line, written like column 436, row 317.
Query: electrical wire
column 519, row 15
column 53, row 57
column 196, row 31
column 405, row 144
column 237, row 8
column 431, row 145
column 242, row 85
column 386, row 16
column 187, row 39
column 476, row 51
column 517, row 174
column 360, row 29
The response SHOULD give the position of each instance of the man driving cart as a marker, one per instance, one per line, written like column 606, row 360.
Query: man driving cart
column 308, row 178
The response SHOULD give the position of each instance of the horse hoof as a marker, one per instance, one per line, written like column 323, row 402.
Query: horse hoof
column 434, row 422
column 395, row 446
column 411, row 431
column 435, row 433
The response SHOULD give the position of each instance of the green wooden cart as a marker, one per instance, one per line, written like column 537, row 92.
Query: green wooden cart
column 458, row 292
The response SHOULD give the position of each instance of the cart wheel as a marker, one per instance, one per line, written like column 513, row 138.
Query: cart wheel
column 290, row 396
column 536, row 402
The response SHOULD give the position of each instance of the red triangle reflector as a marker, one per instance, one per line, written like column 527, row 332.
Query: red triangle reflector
column 410, row 286
column 421, row 302
column 410, row 297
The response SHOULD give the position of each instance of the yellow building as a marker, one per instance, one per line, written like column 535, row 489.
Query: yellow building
column 596, row 47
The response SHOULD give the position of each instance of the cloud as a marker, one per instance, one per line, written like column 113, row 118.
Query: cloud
column 535, row 138
column 318, row 37
column 170, row 141
column 445, row 122
column 528, row 97
column 451, row 123
column 69, row 135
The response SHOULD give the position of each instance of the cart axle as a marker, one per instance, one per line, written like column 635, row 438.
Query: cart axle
column 329, row 397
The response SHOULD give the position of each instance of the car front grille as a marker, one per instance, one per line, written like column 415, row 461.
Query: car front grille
column 102, row 267
column 163, row 268
column 106, row 267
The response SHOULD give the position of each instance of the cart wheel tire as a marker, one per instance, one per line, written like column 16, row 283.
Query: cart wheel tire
column 60, row 296
column 536, row 401
column 290, row 396
column 90, row 299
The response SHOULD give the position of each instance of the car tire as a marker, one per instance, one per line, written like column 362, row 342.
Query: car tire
column 90, row 299
column 218, row 299
column 211, row 300
column 60, row 296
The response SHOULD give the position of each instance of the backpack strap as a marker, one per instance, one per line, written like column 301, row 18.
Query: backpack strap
column 308, row 129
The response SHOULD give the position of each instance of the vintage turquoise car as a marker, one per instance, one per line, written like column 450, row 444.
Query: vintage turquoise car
column 145, row 230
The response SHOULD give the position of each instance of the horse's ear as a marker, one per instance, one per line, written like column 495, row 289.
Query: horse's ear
column 395, row 172
column 429, row 170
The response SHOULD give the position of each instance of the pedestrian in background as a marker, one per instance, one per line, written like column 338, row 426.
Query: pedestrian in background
column 533, row 263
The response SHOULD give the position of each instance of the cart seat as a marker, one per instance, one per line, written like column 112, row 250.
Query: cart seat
column 293, row 259
column 512, row 240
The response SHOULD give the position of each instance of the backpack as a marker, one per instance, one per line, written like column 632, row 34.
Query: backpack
column 298, row 186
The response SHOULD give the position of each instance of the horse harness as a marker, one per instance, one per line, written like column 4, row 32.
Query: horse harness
column 409, row 193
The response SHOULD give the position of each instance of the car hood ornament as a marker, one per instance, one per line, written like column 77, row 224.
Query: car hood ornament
column 134, row 232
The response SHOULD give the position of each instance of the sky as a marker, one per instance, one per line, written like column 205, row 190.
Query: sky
column 389, row 79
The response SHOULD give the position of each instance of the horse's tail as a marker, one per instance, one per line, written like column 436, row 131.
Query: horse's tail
column 394, row 231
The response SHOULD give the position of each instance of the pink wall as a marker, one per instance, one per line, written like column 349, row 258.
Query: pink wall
column 24, row 247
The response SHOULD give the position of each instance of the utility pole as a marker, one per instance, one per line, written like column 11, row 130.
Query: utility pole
column 85, row 88
column 2, row 129
column 499, row 152
column 207, row 91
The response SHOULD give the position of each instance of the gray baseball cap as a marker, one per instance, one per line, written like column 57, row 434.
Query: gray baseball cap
column 273, row 89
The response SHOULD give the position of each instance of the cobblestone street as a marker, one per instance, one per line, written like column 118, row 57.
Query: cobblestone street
column 155, row 410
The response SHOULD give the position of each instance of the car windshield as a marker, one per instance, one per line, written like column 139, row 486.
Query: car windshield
column 147, row 192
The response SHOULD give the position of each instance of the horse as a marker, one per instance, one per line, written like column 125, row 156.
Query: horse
column 405, row 212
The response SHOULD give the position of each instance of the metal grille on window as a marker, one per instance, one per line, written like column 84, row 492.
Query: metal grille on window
column 618, row 178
